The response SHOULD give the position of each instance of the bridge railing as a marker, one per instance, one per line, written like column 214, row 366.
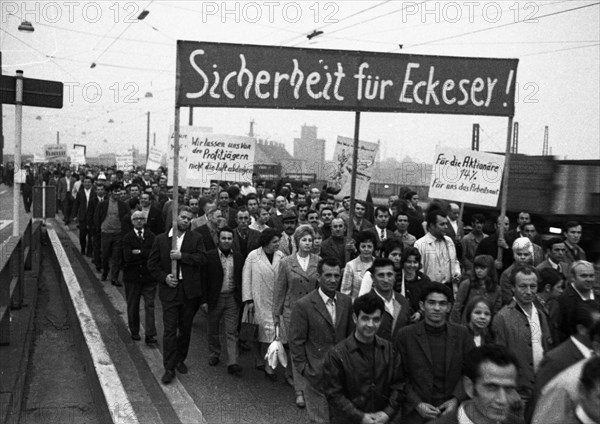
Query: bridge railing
column 17, row 254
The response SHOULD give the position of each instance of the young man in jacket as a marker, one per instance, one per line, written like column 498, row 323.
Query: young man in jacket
column 362, row 375
column 180, row 294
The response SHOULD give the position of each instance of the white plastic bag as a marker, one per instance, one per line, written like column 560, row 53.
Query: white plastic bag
column 276, row 353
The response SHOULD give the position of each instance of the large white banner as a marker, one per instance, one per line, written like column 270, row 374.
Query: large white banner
column 204, row 156
column 467, row 176
column 154, row 158
column 342, row 158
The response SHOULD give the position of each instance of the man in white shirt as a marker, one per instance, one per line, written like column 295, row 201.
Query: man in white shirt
column 523, row 329
column 573, row 396
column 437, row 251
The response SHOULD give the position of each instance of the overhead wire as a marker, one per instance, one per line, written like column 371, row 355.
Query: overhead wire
column 321, row 28
column 405, row 47
column 49, row 57
column 120, row 35
column 560, row 50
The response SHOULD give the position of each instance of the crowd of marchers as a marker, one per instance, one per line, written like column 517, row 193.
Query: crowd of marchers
column 411, row 317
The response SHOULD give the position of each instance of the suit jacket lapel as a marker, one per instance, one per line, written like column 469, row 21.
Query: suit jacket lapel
column 422, row 341
column 321, row 308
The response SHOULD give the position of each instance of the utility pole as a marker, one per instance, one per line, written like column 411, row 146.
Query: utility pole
column 57, row 137
column 148, row 137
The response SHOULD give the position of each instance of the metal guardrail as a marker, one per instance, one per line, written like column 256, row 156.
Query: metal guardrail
column 16, row 256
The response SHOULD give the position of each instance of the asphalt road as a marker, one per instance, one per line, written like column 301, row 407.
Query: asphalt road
column 221, row 398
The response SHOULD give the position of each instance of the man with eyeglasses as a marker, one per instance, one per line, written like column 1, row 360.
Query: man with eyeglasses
column 137, row 278
column 433, row 352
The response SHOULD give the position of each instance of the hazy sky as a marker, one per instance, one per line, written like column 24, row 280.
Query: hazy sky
column 558, row 75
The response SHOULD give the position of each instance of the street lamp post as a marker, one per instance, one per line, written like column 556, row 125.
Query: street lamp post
column 18, row 137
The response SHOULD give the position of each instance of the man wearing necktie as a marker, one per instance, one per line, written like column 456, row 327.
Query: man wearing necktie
column 382, row 219
column 139, row 283
column 319, row 321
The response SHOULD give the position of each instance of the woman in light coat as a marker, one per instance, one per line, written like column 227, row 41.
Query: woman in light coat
column 259, row 276
column 297, row 278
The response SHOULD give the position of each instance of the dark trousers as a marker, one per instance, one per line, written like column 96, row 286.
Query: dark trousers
column 226, row 310
column 85, row 239
column 67, row 205
column 27, row 198
column 134, row 291
column 178, row 316
column 96, row 247
column 112, row 247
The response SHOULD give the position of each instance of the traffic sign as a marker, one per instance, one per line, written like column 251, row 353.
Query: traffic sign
column 36, row 92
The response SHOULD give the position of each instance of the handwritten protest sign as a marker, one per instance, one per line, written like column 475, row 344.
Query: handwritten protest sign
column 206, row 156
column 466, row 176
column 241, row 75
column 342, row 158
column 154, row 158
column 124, row 161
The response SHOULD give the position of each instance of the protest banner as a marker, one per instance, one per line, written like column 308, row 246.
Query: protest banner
column 154, row 158
column 468, row 176
column 240, row 75
column 206, row 156
column 55, row 152
column 342, row 158
column 124, row 161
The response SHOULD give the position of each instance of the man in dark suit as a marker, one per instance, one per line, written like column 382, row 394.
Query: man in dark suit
column 245, row 239
column 490, row 378
column 153, row 215
column 580, row 289
column 65, row 185
column 137, row 244
column 93, row 229
column 319, row 321
column 382, row 218
column 209, row 231
column 180, row 294
column 433, row 352
column 578, row 346
column 227, row 210
column 223, row 288
column 489, row 246
column 555, row 249
column 80, row 212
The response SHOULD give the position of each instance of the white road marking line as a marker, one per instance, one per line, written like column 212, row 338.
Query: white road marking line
column 182, row 402
column 5, row 223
